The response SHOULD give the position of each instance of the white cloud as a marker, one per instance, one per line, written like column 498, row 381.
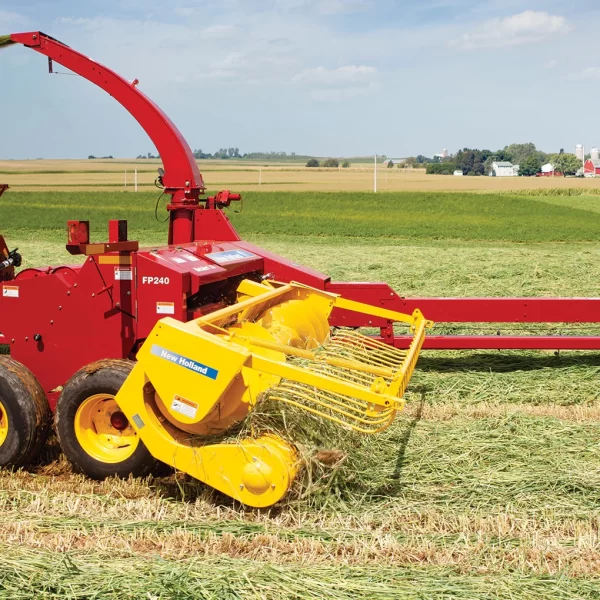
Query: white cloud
column 343, row 94
column 324, row 7
column 221, row 75
column 334, row 7
column 184, row 11
column 528, row 27
column 586, row 74
column 10, row 19
column 218, row 31
column 348, row 76
column 551, row 64
column 338, row 85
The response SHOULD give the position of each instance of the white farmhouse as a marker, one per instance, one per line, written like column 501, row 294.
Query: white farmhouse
column 504, row 169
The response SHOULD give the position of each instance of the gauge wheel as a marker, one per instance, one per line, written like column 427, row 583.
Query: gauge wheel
column 24, row 415
column 93, row 432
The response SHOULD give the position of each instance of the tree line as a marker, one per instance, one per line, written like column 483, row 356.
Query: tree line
column 228, row 153
column 476, row 162
column 328, row 163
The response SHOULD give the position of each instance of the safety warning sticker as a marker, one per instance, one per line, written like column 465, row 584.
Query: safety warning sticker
column 183, row 406
column 10, row 291
column 165, row 308
column 123, row 274
column 190, row 257
column 179, row 261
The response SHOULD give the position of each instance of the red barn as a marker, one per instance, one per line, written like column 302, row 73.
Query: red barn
column 592, row 168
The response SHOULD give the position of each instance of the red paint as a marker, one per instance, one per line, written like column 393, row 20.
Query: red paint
column 64, row 318
column 590, row 169
column 214, row 225
column 549, row 174
column 119, row 421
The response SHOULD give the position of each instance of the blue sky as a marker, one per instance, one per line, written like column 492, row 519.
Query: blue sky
column 322, row 77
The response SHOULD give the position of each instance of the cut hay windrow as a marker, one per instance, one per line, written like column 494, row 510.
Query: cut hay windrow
column 31, row 573
column 486, row 486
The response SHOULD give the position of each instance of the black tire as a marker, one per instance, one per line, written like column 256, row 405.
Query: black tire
column 101, row 377
column 24, row 412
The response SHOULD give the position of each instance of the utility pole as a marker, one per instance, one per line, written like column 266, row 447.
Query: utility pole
column 375, row 176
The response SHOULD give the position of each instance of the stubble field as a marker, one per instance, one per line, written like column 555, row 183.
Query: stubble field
column 110, row 175
column 488, row 486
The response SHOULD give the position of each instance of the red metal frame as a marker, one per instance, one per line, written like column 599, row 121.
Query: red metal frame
column 477, row 310
column 58, row 319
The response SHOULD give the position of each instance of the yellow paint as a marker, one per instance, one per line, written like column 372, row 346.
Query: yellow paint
column 197, row 379
column 97, row 436
column 114, row 260
column 3, row 424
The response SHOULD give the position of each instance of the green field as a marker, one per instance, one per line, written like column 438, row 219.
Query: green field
column 488, row 486
column 329, row 215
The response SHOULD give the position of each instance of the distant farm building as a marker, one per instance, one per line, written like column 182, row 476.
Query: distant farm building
column 548, row 171
column 591, row 168
column 394, row 161
column 442, row 155
column 458, row 173
column 504, row 169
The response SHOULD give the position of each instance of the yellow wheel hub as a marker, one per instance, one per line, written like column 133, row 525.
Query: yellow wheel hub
column 103, row 430
column 3, row 424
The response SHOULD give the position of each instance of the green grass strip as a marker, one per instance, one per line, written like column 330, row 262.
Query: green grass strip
column 44, row 576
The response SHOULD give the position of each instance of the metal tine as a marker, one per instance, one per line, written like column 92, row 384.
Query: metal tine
column 341, row 373
column 302, row 400
column 361, row 377
column 355, row 337
column 367, row 357
column 319, row 400
column 369, row 340
column 371, row 353
column 358, row 407
column 323, row 415
column 324, row 400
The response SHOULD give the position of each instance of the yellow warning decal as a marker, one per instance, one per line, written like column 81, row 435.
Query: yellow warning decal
column 165, row 308
column 185, row 407
column 10, row 291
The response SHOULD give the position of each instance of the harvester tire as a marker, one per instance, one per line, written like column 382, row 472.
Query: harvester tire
column 25, row 415
column 94, row 442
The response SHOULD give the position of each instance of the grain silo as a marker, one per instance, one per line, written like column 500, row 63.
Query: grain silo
column 579, row 152
column 595, row 154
